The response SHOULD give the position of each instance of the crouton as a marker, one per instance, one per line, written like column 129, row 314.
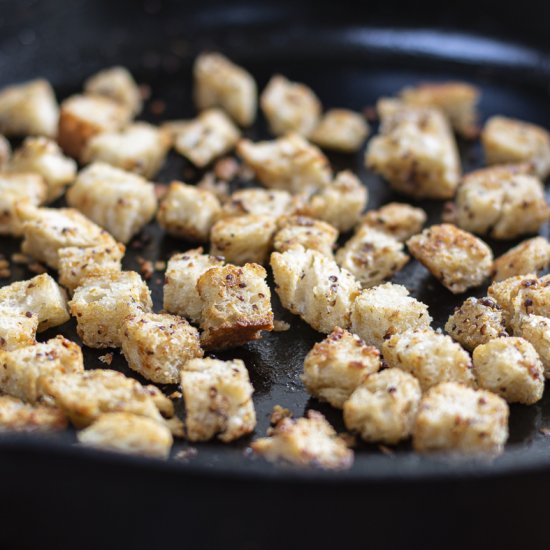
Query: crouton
column 342, row 130
column 309, row 441
column 15, row 415
column 415, row 151
column 307, row 232
column 507, row 140
column 455, row 418
column 504, row 292
column 530, row 256
column 383, row 407
column 458, row 259
column 397, row 219
column 261, row 202
column 181, row 296
column 312, row 286
column 220, row 83
column 102, row 302
column 337, row 365
column 17, row 329
column 384, row 310
column 536, row 330
column 218, row 400
column 119, row 201
column 158, row 345
column 245, row 239
column 529, row 296
column 28, row 109
column 236, row 305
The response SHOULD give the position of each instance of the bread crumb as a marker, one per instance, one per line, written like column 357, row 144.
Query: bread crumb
column 280, row 326
column 107, row 358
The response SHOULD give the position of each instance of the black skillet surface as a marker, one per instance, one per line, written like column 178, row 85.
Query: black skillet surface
column 222, row 493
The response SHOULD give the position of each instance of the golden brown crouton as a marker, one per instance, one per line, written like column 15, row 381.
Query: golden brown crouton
column 261, row 202
column 15, row 415
column 307, row 232
column 341, row 130
column 530, row 256
column 397, row 219
column 17, row 329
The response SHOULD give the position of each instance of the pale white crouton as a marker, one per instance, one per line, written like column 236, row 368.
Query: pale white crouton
column 290, row 107
column 415, row 151
column 119, row 201
column 273, row 202
column 243, row 239
column 236, row 305
column 128, row 433
column 207, row 137
column 23, row 370
column 530, row 256
column 372, row 256
column 536, row 330
column 44, row 157
column 102, row 302
column 430, row 356
column 383, row 407
column 17, row 329
column 341, row 130
column 181, row 296
column 313, row 286
column 337, row 365
column 504, row 292
column 289, row 163
column 507, row 140
column 218, row 400
column 458, row 259
column 15, row 415
column 309, row 441
column 397, row 219
column 307, row 232
column 511, row 368
column 455, row 418
column 158, row 345
column 28, row 109
column 220, row 83
column 384, row 310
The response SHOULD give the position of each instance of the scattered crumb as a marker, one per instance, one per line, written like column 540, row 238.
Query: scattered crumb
column 175, row 395
column 107, row 358
column 279, row 413
column 37, row 268
column 146, row 268
column 185, row 454
column 226, row 168
column 280, row 326
column 448, row 214
column 160, row 265
column 5, row 273
column 160, row 190
column 157, row 107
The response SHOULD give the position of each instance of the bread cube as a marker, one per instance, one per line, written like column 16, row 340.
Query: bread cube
column 530, row 296
column 289, row 163
column 243, row 239
column 507, row 140
column 307, row 232
column 372, row 256
column 458, row 259
column 530, row 256
column 341, row 130
column 218, row 400
column 261, row 202
column 17, row 329
column 383, row 407
column 119, row 201
column 397, row 219
column 309, row 441
column 536, row 330
column 17, row 416
column 102, row 302
column 384, row 310
column 183, row 271
column 415, row 151
column 312, row 286
column 28, row 109
column 455, row 418
column 504, row 292
column 24, row 370
column 157, row 346
column 236, row 305
column 335, row 367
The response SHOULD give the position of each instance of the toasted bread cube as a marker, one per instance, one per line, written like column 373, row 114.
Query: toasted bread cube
column 455, row 418
column 261, row 202
column 503, row 292
column 372, row 256
column 118, row 84
column 335, row 367
column 119, row 201
column 383, row 407
column 430, row 356
column 309, row 441
column 536, row 330
column 384, row 310
column 158, row 345
column 77, row 262
column 290, row 107
column 341, row 130
column 312, row 286
column 458, row 259
column 245, row 239
column 102, row 302
column 511, row 368
column 183, row 271
column 218, row 400
column 84, row 116
column 236, row 305
column 507, row 140
column 415, row 151
column 17, row 329
column 530, row 256
column 46, row 230
column 28, row 109
column 340, row 203
column 529, row 296
column 23, row 370
column 457, row 100
column 44, row 157
column 289, row 163
column 307, row 232
column 397, row 219
column 15, row 415
column 504, row 202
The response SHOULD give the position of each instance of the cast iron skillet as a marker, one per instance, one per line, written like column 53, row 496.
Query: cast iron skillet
column 350, row 55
